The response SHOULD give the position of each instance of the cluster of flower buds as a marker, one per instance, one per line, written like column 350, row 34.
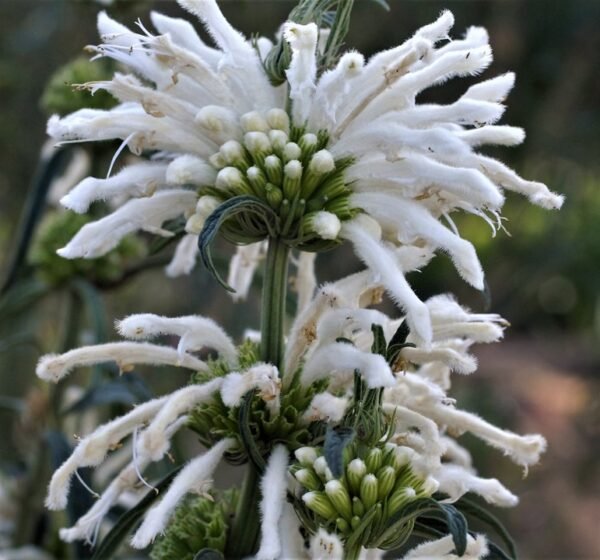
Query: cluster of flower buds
column 375, row 485
column 286, row 167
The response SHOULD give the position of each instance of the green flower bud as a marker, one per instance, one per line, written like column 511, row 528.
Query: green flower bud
column 308, row 479
column 355, row 522
column 274, row 195
column 342, row 525
column 306, row 456
column 321, row 164
column 320, row 504
column 358, row 508
column 308, row 144
column 400, row 498
column 369, row 490
column 374, row 460
column 355, row 471
column 274, row 169
column 339, row 497
column 292, row 178
column 387, row 478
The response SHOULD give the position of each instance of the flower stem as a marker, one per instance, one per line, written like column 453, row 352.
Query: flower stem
column 243, row 535
column 273, row 302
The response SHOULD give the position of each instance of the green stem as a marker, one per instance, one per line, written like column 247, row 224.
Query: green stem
column 243, row 536
column 273, row 302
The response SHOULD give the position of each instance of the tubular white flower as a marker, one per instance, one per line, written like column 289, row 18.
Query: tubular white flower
column 242, row 267
column 305, row 282
column 273, row 489
column 87, row 527
column 148, row 214
column 264, row 377
column 456, row 481
column 154, row 441
column 325, row 546
column 138, row 180
column 302, row 71
column 344, row 358
column 194, row 477
column 325, row 406
column 92, row 449
column 195, row 333
column 53, row 367
column 377, row 257
column 190, row 170
column 184, row 258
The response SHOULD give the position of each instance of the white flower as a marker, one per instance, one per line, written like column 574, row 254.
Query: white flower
column 354, row 141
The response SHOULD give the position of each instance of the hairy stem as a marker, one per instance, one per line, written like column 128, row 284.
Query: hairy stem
column 243, row 536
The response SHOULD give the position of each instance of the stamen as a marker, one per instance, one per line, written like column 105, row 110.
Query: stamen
column 95, row 494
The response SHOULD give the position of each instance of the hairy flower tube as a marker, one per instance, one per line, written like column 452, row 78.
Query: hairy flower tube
column 330, row 154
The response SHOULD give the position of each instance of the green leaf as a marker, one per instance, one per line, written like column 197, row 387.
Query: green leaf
column 229, row 208
column 336, row 440
column 246, row 434
column 48, row 168
column 457, row 525
column 127, row 521
column 209, row 554
column 474, row 510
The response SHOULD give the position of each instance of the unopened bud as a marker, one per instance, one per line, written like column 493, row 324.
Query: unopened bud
column 358, row 508
column 320, row 165
column 205, row 206
column 322, row 469
column 320, row 504
column 217, row 160
column 306, row 456
column 400, row 457
column 278, row 139
column 339, row 497
column 273, row 169
column 258, row 144
column 386, row 477
column 292, row 177
column 308, row 479
column 274, row 195
column 278, row 119
column 355, row 471
column 374, row 459
column 325, row 224
column 308, row 144
column 233, row 153
column 254, row 122
column 256, row 178
column 400, row 498
column 369, row 490
column 230, row 178
column 342, row 525
column 430, row 486
column 291, row 151
column 355, row 522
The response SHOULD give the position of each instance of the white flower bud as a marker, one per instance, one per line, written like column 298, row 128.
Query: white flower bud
column 306, row 456
column 254, row 122
column 326, row 225
column 322, row 469
column 278, row 139
column 233, row 152
column 322, row 162
column 229, row 177
column 278, row 119
column 257, row 143
column 291, row 151
column 293, row 169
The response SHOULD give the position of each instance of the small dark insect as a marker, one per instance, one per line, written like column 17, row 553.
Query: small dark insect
column 468, row 54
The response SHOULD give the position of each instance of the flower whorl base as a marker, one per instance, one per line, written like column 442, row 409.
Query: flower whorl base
column 355, row 141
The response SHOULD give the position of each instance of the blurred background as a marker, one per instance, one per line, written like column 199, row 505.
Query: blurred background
column 544, row 277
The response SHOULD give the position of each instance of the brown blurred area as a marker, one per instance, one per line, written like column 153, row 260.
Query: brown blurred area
column 544, row 377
